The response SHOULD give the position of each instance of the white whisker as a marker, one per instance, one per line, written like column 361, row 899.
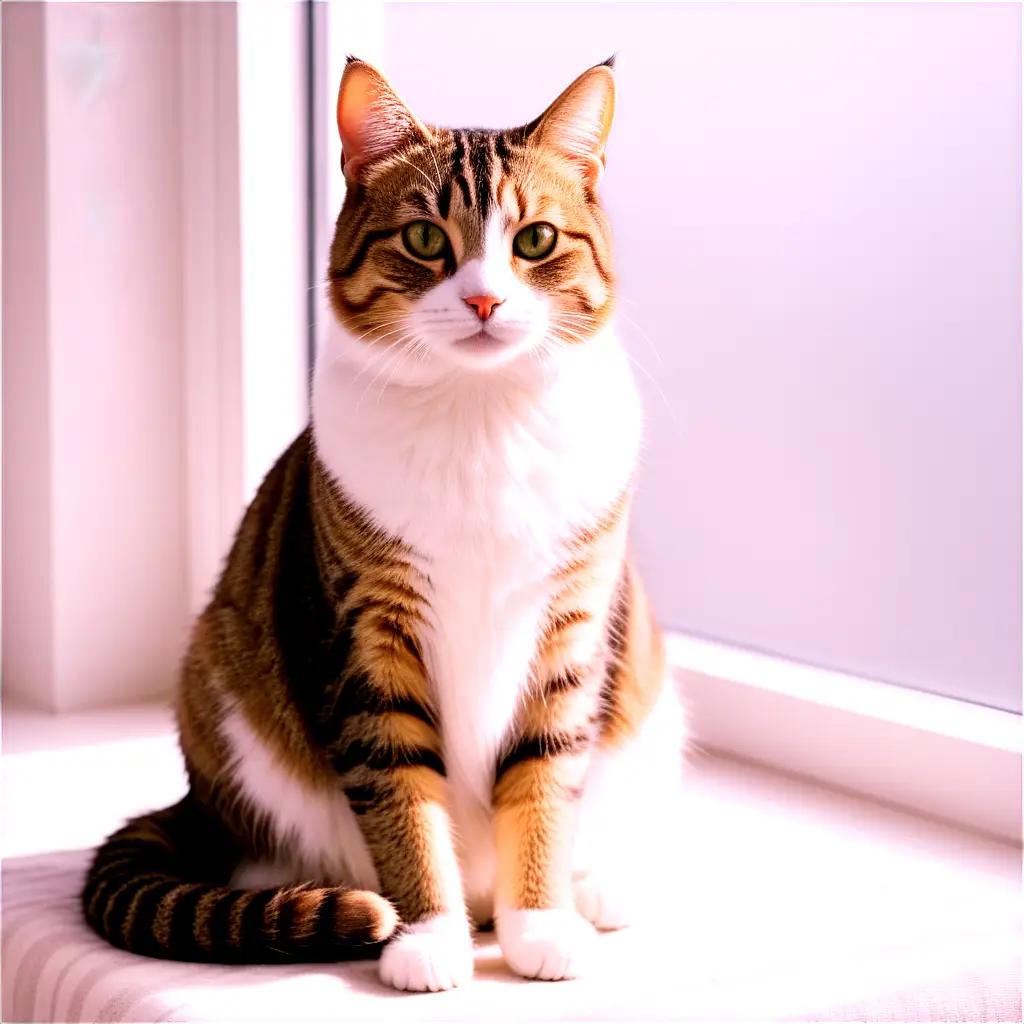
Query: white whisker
column 430, row 150
column 643, row 334
column 423, row 174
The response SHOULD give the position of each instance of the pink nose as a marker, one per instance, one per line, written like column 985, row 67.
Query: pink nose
column 483, row 305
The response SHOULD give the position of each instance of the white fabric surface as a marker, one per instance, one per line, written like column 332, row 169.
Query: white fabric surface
column 794, row 903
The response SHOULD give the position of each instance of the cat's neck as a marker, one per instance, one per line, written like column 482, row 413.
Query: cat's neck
column 463, row 447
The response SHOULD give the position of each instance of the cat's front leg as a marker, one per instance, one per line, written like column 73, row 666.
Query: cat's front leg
column 539, row 930
column 537, row 787
column 409, row 833
column 540, row 777
column 389, row 760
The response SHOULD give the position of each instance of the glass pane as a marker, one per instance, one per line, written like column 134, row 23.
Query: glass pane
column 817, row 212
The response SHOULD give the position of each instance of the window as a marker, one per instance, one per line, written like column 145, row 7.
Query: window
column 817, row 214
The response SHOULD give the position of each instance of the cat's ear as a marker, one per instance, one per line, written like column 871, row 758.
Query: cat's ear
column 578, row 122
column 372, row 120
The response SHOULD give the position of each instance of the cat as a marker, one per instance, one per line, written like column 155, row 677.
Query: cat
column 428, row 689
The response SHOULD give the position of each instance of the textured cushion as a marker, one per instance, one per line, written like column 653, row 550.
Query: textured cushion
column 793, row 903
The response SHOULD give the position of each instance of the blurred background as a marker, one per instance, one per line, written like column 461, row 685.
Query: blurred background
column 817, row 212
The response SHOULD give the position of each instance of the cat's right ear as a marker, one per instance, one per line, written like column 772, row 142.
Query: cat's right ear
column 372, row 120
column 578, row 122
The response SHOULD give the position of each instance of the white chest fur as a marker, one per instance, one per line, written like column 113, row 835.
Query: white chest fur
column 485, row 476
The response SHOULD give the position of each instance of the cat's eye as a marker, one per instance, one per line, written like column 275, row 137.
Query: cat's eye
column 535, row 241
column 424, row 240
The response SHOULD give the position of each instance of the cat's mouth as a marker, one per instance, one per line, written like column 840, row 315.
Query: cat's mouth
column 479, row 341
column 489, row 346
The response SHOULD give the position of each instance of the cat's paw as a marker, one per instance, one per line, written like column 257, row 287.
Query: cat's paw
column 547, row 944
column 606, row 905
column 429, row 956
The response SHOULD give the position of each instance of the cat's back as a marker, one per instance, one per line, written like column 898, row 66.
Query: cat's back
column 251, row 646
column 271, row 524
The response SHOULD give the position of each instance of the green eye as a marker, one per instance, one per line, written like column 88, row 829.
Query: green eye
column 535, row 241
column 424, row 240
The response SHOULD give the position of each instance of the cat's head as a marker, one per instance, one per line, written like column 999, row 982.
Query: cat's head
column 471, row 248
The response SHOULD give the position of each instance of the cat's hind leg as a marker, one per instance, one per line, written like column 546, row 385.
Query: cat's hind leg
column 629, row 827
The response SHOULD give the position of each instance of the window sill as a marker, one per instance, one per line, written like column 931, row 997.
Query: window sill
column 932, row 755
column 838, row 893
column 70, row 779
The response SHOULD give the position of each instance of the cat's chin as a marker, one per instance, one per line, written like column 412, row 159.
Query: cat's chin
column 484, row 350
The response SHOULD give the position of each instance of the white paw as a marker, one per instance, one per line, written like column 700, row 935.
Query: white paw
column 604, row 904
column 547, row 944
column 429, row 956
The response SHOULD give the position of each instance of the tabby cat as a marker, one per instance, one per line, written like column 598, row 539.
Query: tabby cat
column 428, row 691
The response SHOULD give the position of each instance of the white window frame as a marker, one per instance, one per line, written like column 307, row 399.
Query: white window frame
column 246, row 243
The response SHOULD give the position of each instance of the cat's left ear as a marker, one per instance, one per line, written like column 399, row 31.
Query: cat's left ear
column 578, row 122
column 372, row 120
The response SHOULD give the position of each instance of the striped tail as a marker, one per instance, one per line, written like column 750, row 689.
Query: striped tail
column 145, row 893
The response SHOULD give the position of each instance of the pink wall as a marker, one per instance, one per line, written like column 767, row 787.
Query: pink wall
column 27, row 565
column 92, row 355
column 817, row 211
